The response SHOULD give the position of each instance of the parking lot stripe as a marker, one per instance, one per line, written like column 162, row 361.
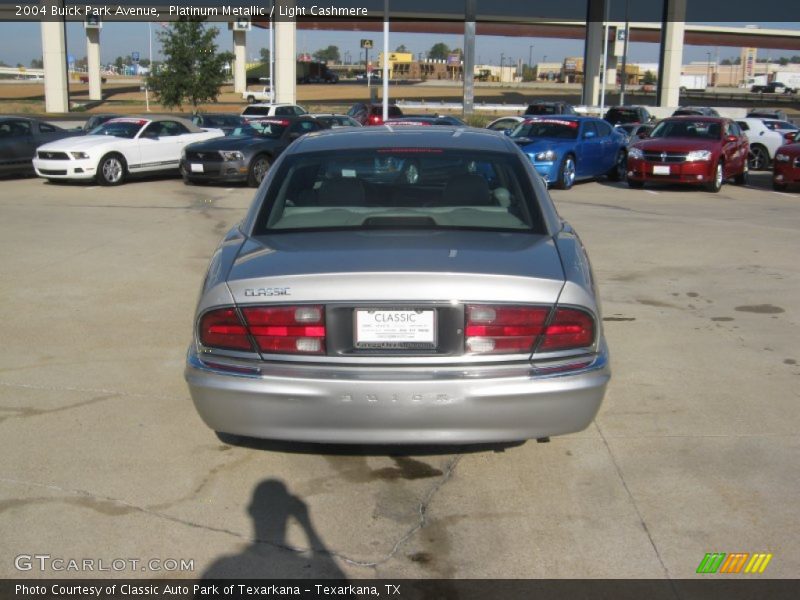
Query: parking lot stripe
column 784, row 194
column 652, row 192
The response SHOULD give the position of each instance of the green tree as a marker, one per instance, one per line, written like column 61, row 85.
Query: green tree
column 726, row 62
column 119, row 62
column 329, row 54
column 193, row 70
column 783, row 61
column 401, row 48
column 37, row 63
column 649, row 78
column 439, row 51
column 264, row 55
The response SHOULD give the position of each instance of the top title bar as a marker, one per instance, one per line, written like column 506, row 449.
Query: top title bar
column 508, row 11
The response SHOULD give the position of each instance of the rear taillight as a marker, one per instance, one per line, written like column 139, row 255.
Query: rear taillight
column 223, row 329
column 503, row 329
column 570, row 328
column 497, row 329
column 789, row 136
column 287, row 329
column 375, row 120
column 275, row 329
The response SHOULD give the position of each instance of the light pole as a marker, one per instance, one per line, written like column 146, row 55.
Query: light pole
column 530, row 63
column 708, row 68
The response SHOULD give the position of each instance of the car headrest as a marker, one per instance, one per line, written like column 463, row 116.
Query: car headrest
column 344, row 191
column 467, row 189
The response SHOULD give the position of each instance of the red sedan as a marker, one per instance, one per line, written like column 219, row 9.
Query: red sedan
column 786, row 169
column 692, row 150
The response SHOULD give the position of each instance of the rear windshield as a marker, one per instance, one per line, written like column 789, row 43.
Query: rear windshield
column 256, row 110
column 543, row 109
column 686, row 128
column 623, row 115
column 222, row 120
column 565, row 130
column 402, row 188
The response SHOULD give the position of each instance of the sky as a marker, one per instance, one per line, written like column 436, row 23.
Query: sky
column 21, row 42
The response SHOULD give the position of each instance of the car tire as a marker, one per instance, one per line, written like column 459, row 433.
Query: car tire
column 715, row 184
column 741, row 178
column 635, row 184
column 758, row 158
column 779, row 187
column 251, row 99
column 258, row 170
column 617, row 173
column 566, row 173
column 111, row 169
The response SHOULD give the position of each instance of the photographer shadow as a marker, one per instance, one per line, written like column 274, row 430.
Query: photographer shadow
column 270, row 556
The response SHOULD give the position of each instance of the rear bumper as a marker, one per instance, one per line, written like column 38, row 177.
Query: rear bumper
column 397, row 406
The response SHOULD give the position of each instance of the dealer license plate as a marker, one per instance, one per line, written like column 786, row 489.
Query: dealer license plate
column 395, row 329
column 660, row 170
column 196, row 168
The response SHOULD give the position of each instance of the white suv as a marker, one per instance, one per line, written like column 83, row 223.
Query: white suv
column 764, row 142
column 260, row 110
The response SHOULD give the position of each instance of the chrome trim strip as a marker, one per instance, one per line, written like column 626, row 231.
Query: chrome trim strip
column 600, row 362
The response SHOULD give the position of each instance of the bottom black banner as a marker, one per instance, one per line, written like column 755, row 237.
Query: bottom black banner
column 403, row 589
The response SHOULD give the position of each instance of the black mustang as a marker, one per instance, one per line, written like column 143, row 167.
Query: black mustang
column 247, row 153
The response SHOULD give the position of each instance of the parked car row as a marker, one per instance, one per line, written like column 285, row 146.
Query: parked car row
column 563, row 148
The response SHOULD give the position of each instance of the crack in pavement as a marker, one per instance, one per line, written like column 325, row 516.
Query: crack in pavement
column 24, row 412
column 636, row 508
column 56, row 388
column 422, row 510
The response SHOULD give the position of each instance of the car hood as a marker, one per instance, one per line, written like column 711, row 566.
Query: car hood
column 233, row 142
column 400, row 264
column 82, row 142
column 676, row 144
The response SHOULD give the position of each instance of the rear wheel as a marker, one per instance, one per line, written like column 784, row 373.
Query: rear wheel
column 758, row 158
column 715, row 184
column 617, row 173
column 251, row 99
column 779, row 187
column 111, row 170
column 258, row 169
column 566, row 174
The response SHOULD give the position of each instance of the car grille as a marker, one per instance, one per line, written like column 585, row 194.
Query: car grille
column 53, row 171
column 204, row 156
column 53, row 155
column 665, row 157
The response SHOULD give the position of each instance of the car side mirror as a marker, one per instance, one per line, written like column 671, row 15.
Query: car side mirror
column 507, row 131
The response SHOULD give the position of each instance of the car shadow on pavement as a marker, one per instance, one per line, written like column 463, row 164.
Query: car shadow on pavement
column 362, row 449
column 270, row 555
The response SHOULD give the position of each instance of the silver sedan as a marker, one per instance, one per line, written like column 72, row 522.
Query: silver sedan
column 399, row 286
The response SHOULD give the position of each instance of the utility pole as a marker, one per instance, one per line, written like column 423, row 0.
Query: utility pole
column 624, row 79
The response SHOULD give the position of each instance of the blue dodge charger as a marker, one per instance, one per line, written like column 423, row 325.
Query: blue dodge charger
column 564, row 149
